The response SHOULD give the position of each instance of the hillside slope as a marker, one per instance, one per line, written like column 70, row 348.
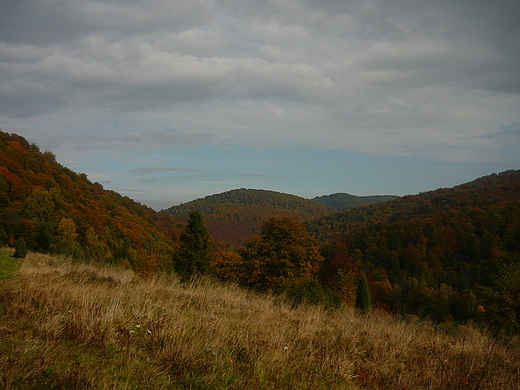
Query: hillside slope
column 445, row 254
column 482, row 192
column 78, row 326
column 343, row 201
column 236, row 215
column 57, row 210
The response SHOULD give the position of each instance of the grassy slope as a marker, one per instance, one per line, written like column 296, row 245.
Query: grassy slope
column 8, row 264
column 75, row 326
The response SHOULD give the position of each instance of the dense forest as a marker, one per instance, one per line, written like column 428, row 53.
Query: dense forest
column 450, row 255
column 236, row 215
column 56, row 210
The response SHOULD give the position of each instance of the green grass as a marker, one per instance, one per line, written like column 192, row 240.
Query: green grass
column 9, row 266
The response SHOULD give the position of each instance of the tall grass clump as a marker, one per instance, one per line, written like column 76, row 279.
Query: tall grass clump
column 69, row 325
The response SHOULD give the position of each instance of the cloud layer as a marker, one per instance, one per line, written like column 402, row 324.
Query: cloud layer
column 395, row 78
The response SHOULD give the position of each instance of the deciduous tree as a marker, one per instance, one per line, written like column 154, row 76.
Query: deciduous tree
column 284, row 252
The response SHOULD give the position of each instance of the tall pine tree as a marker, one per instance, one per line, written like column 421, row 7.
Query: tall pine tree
column 194, row 255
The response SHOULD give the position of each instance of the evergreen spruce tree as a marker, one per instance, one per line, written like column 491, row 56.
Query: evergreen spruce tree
column 363, row 300
column 194, row 255
column 20, row 248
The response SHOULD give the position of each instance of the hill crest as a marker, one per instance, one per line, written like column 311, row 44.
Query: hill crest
column 344, row 201
column 236, row 215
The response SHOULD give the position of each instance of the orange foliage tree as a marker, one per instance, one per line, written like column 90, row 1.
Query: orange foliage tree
column 283, row 253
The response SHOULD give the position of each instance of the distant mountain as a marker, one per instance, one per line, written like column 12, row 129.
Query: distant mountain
column 236, row 215
column 344, row 201
column 57, row 210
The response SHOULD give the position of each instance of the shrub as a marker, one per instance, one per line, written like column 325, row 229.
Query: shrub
column 20, row 248
column 311, row 292
column 363, row 300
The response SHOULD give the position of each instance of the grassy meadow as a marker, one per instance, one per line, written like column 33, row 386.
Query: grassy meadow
column 67, row 325
column 8, row 265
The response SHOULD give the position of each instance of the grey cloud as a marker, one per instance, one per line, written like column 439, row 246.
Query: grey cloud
column 177, row 138
column 25, row 100
column 102, row 141
column 46, row 22
column 509, row 132
column 148, row 80
column 252, row 175
column 371, row 76
column 477, row 43
column 198, row 178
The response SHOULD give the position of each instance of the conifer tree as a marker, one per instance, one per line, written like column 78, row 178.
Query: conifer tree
column 194, row 255
column 363, row 300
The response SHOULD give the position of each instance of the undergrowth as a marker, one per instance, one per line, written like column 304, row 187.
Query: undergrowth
column 76, row 326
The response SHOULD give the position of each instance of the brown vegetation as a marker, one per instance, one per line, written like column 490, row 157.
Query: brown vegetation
column 70, row 325
column 56, row 210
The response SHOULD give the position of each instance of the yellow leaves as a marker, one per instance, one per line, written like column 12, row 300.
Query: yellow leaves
column 97, row 249
column 67, row 229
column 284, row 252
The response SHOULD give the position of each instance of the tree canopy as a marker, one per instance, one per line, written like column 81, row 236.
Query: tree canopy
column 284, row 252
column 234, row 216
column 57, row 210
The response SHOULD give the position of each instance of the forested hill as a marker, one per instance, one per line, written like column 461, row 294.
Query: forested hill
column 343, row 201
column 490, row 191
column 57, row 210
column 236, row 215
column 445, row 254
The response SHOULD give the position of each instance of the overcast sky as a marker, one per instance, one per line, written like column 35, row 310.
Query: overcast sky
column 168, row 101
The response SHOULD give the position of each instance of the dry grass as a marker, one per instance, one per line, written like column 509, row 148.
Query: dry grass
column 76, row 326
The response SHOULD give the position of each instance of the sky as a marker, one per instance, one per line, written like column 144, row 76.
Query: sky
column 169, row 101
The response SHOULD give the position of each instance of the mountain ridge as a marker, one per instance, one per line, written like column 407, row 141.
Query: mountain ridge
column 236, row 215
column 345, row 201
column 488, row 189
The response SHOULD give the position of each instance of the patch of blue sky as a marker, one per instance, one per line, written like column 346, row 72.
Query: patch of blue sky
column 179, row 174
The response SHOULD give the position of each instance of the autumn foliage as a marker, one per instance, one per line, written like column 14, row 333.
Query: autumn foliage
column 450, row 255
column 57, row 210
column 234, row 216
column 441, row 254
